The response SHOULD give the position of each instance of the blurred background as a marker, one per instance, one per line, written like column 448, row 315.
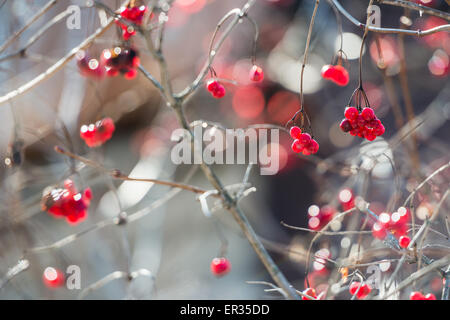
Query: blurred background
column 176, row 242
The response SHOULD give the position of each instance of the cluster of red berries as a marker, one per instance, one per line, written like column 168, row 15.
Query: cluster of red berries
column 395, row 223
column 220, row 266
column 134, row 14
column 53, row 277
column 338, row 74
column 67, row 202
column 364, row 289
column 416, row 295
column 319, row 217
column 122, row 60
column 303, row 142
column 364, row 124
column 97, row 134
column 217, row 89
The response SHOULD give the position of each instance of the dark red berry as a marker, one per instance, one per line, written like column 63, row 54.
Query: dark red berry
column 345, row 125
column 295, row 132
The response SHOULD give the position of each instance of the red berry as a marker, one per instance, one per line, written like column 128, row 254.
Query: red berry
column 313, row 146
column 216, row 88
column 256, row 74
column 94, row 135
column 378, row 130
column 304, row 138
column 296, row 146
column 378, row 231
column 341, row 76
column 416, row 295
column 295, row 132
column 385, row 219
column 338, row 74
column 345, row 125
column 220, row 266
column 430, row 296
column 368, row 114
column 310, row 292
column 52, row 277
column 354, row 287
column 369, row 135
column 361, row 290
column 351, row 113
column 404, row 241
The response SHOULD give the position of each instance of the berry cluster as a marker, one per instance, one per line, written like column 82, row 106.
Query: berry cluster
column 220, row 266
column 395, row 223
column 256, row 74
column 67, row 202
column 134, row 14
column 88, row 66
column 97, row 134
column 216, row 89
column 364, row 289
column 338, row 74
column 364, row 124
column 416, row 295
column 122, row 60
column 303, row 142
column 53, row 278
column 319, row 217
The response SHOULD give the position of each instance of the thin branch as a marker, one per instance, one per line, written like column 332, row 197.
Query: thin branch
column 418, row 7
column 27, row 24
column 418, row 33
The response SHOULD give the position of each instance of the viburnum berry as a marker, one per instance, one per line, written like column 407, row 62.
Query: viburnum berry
column 416, row 295
column 88, row 66
column 216, row 89
column 337, row 74
column 133, row 14
column 295, row 132
column 347, row 199
column 364, row 289
column 395, row 223
column 97, row 134
column 404, row 241
column 122, row 60
column 220, row 266
column 53, row 278
column 310, row 292
column 256, row 74
column 319, row 217
column 364, row 124
column 67, row 202
column 379, row 231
